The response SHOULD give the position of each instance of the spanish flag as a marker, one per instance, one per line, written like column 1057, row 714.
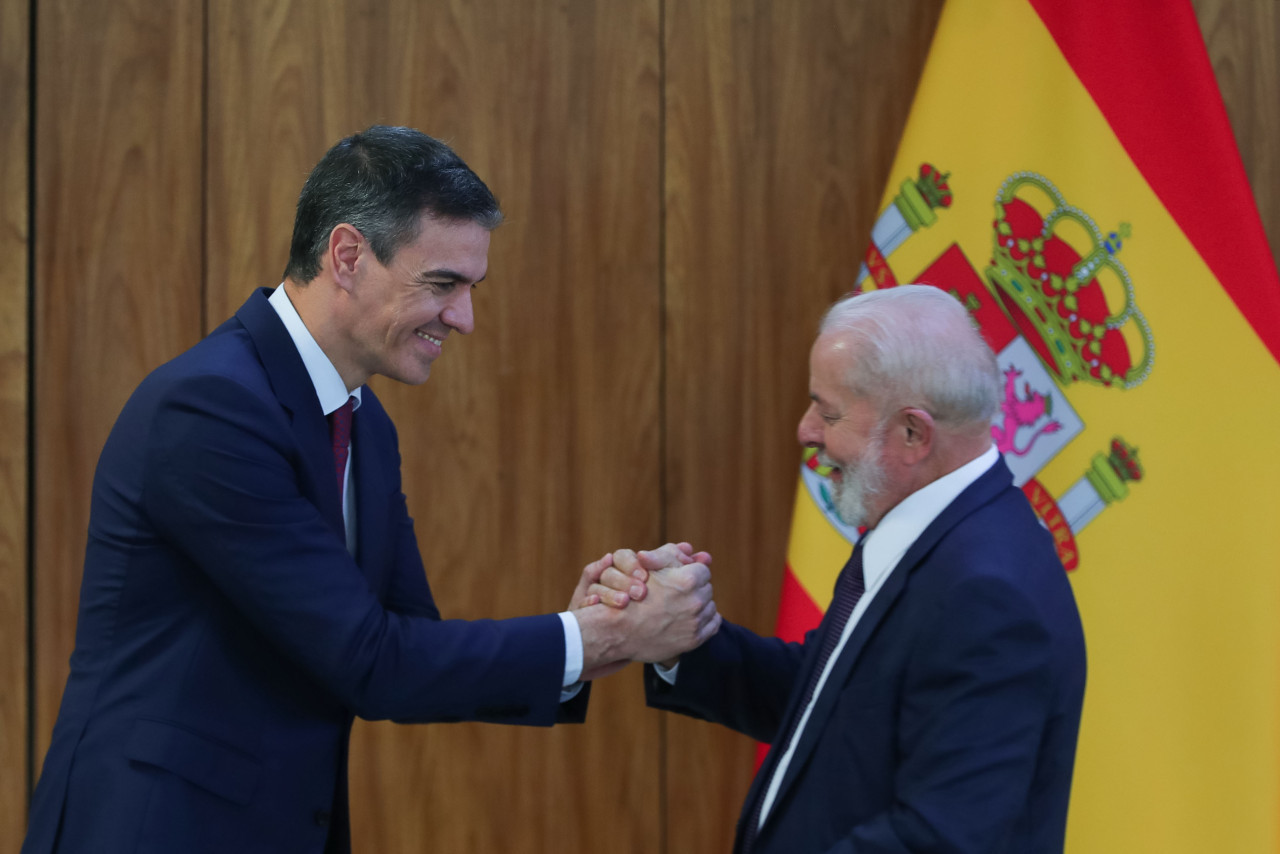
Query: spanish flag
column 1069, row 174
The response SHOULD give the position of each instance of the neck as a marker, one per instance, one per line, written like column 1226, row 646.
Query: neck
column 312, row 301
column 955, row 450
column 950, row 450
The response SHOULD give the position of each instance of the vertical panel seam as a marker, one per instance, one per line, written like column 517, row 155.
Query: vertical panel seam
column 30, row 498
column 204, row 169
column 663, row 409
column 664, row 745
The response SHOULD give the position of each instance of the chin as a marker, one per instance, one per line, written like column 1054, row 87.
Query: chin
column 417, row 376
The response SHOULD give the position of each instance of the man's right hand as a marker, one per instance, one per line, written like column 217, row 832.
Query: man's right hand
column 677, row 612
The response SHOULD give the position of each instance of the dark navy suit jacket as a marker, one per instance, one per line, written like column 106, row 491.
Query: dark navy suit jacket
column 226, row 638
column 949, row 721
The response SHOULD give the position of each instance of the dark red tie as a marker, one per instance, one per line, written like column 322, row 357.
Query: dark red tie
column 340, row 434
column 849, row 588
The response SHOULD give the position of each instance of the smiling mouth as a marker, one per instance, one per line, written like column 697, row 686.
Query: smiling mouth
column 439, row 342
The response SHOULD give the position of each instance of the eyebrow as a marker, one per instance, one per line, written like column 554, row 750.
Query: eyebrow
column 824, row 404
column 451, row 275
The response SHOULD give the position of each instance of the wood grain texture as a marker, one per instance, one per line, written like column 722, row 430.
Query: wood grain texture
column 117, row 254
column 15, row 51
column 1243, row 41
column 517, row 469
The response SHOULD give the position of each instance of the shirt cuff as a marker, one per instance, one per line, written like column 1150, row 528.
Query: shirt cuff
column 668, row 674
column 572, row 651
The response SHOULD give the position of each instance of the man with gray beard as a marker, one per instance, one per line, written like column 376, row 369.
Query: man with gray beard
column 937, row 705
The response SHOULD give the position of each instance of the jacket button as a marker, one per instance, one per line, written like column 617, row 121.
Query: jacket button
column 322, row 818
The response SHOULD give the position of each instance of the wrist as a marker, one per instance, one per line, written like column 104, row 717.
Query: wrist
column 601, row 641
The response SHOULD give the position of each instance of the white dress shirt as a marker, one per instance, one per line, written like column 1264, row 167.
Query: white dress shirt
column 333, row 393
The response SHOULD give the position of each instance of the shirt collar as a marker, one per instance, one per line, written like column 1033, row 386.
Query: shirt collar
column 907, row 520
column 328, row 383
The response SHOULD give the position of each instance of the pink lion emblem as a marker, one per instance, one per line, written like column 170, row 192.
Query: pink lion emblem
column 1021, row 412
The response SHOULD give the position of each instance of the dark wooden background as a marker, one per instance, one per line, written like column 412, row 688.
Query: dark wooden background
column 687, row 185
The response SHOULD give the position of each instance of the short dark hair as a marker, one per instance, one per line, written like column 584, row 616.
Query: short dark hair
column 382, row 181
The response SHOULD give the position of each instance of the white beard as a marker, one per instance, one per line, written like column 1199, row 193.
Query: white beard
column 860, row 481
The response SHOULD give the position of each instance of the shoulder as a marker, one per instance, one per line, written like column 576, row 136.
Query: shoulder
column 1001, row 534
column 999, row 549
column 219, row 383
column 224, row 360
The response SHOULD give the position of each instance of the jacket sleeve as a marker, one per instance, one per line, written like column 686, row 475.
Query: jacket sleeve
column 737, row 679
column 409, row 593
column 223, row 483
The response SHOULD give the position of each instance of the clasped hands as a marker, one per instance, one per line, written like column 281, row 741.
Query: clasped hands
column 647, row 606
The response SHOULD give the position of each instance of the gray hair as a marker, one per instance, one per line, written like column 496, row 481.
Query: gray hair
column 916, row 345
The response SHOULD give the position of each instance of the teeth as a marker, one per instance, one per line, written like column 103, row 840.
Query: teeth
column 439, row 342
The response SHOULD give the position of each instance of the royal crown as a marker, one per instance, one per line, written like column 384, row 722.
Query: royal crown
column 1051, row 288
column 1112, row 472
column 917, row 200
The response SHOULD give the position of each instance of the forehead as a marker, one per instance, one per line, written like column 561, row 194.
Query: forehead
column 460, row 247
column 830, row 360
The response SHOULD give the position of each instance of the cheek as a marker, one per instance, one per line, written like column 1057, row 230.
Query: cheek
column 833, row 441
column 421, row 312
column 397, row 321
column 847, row 451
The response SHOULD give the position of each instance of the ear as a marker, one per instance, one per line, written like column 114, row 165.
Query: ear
column 917, row 431
column 346, row 244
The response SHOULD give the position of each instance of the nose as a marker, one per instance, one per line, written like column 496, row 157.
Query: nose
column 459, row 314
column 809, row 431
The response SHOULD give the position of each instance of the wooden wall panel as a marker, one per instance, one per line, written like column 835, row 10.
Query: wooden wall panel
column 534, row 447
column 782, row 121
column 15, row 54
column 1243, row 40
column 117, row 255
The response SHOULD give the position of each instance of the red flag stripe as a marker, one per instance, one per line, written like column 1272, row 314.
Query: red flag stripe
column 1168, row 114
column 797, row 612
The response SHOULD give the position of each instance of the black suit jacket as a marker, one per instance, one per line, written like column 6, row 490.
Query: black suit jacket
column 949, row 721
column 226, row 638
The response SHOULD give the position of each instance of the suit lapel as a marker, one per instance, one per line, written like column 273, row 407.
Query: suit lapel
column 297, row 394
column 368, row 479
column 982, row 491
